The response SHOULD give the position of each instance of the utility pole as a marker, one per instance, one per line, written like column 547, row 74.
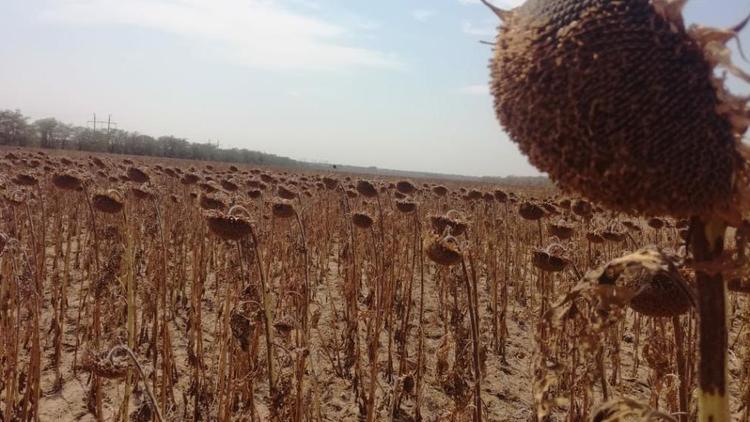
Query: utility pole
column 109, row 123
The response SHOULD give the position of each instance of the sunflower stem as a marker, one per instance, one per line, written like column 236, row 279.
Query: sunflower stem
column 707, row 244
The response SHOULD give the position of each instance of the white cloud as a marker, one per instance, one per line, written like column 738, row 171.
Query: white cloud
column 500, row 3
column 483, row 31
column 423, row 15
column 257, row 33
column 310, row 4
column 476, row 89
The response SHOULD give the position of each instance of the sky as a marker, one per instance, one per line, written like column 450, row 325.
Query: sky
column 398, row 84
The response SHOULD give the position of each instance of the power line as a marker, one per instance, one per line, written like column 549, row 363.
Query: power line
column 109, row 123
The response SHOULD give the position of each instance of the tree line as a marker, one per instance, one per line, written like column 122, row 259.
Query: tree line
column 17, row 130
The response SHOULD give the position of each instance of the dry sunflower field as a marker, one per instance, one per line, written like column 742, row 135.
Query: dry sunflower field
column 143, row 289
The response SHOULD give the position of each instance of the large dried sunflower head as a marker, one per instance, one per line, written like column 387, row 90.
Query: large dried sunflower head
column 619, row 101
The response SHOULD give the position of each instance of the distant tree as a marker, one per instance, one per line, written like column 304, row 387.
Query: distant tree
column 62, row 134
column 118, row 140
column 174, row 147
column 14, row 128
column 73, row 140
column 139, row 144
column 89, row 140
column 51, row 133
column 45, row 130
column 205, row 151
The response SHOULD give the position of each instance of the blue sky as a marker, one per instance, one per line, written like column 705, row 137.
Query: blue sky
column 390, row 83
